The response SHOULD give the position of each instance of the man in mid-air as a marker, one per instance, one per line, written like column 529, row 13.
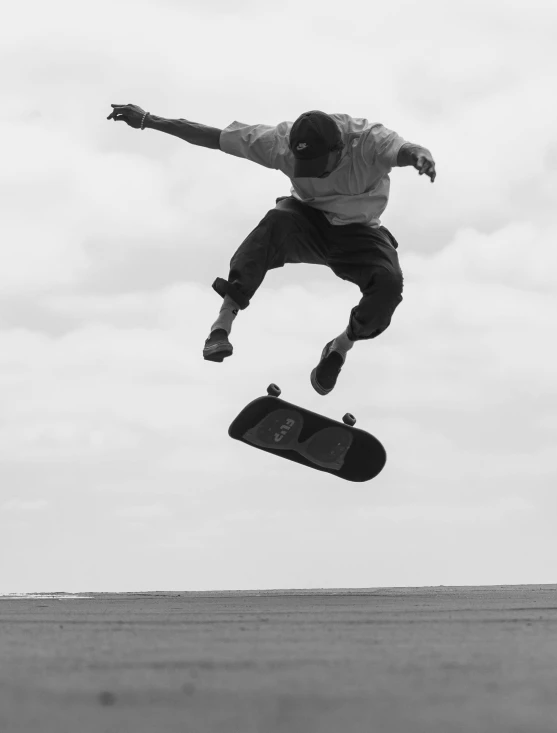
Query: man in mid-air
column 339, row 170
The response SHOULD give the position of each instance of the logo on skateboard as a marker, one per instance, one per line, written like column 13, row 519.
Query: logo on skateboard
column 327, row 447
column 284, row 429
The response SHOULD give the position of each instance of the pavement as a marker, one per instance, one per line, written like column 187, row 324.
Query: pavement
column 385, row 660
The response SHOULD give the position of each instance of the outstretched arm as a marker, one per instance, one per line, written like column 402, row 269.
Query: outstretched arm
column 418, row 157
column 191, row 132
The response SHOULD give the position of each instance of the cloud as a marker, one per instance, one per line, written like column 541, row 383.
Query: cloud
column 13, row 505
column 142, row 512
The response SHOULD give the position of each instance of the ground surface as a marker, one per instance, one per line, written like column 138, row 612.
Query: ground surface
column 412, row 660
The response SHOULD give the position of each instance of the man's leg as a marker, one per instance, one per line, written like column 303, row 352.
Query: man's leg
column 287, row 234
column 367, row 257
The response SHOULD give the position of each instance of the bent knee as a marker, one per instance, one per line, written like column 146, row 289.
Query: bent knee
column 388, row 280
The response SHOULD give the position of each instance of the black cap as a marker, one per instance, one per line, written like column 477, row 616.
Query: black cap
column 313, row 136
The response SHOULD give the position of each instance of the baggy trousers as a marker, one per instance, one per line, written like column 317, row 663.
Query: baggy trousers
column 295, row 232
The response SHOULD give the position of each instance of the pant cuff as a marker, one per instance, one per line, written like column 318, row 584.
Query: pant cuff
column 354, row 337
column 223, row 287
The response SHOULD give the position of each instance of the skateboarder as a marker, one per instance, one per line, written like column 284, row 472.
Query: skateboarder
column 339, row 170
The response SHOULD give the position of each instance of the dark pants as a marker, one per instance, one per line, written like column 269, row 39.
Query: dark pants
column 295, row 232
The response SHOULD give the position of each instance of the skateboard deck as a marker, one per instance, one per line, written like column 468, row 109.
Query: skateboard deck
column 292, row 432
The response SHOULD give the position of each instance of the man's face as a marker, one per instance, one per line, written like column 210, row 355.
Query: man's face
column 332, row 162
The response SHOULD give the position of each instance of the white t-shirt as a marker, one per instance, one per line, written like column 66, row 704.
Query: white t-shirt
column 357, row 191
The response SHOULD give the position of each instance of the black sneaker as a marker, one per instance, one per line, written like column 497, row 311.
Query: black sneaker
column 217, row 346
column 324, row 376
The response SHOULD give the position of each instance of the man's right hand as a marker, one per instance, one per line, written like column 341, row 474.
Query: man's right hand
column 425, row 164
column 131, row 114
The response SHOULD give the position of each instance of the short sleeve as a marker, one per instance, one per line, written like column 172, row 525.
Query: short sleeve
column 257, row 143
column 381, row 146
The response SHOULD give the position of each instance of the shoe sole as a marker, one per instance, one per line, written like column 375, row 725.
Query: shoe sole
column 316, row 386
column 217, row 352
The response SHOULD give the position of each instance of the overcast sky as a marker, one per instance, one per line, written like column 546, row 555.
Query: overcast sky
column 116, row 469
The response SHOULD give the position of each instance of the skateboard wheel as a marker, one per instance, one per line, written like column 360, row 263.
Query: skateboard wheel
column 273, row 390
column 349, row 419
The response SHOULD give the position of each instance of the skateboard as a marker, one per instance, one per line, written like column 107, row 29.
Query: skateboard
column 292, row 432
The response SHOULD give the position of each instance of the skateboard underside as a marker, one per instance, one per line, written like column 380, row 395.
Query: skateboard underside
column 306, row 437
